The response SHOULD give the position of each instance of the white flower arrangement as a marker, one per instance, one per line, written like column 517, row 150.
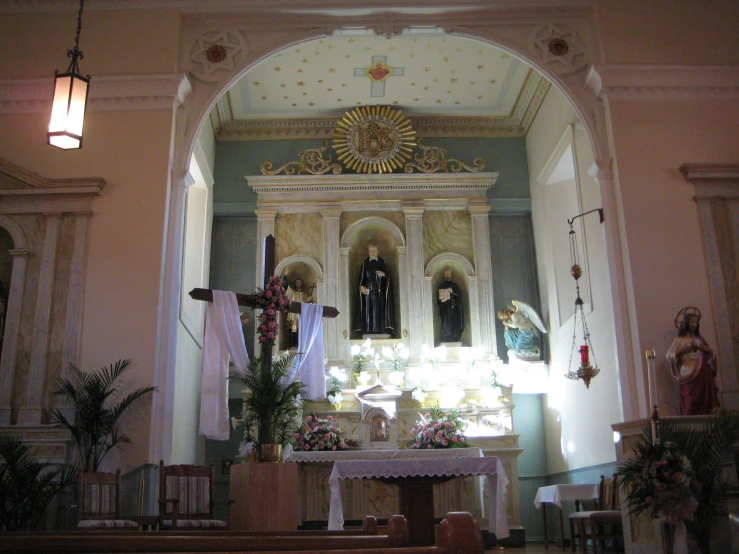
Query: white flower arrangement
column 334, row 400
column 245, row 448
column 287, row 451
column 419, row 395
column 338, row 374
column 396, row 377
column 364, row 377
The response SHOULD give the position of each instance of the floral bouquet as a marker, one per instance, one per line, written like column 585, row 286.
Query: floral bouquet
column 660, row 481
column 336, row 378
column 321, row 434
column 272, row 301
column 361, row 355
column 439, row 429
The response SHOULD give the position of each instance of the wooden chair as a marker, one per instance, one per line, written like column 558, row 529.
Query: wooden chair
column 99, row 502
column 607, row 513
column 187, row 498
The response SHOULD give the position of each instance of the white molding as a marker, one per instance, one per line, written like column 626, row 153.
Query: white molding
column 348, row 236
column 665, row 82
column 445, row 258
column 157, row 91
column 193, row 6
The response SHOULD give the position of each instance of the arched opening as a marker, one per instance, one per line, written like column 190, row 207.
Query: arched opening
column 521, row 214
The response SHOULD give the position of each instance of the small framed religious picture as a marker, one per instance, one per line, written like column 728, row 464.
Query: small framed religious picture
column 226, row 466
column 380, row 429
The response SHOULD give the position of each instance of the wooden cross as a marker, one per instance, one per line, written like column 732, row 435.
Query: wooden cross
column 249, row 300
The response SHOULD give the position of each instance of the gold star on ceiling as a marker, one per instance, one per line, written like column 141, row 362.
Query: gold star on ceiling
column 446, row 58
column 300, row 70
column 480, row 66
column 504, row 56
column 278, row 68
column 264, row 97
column 311, row 103
column 438, row 101
column 352, row 41
column 367, row 48
column 282, row 85
column 453, row 80
column 304, row 60
column 301, row 84
column 330, row 46
column 320, row 81
column 411, row 55
column 339, row 100
column 331, row 70
column 294, row 104
column 415, row 99
column 473, row 83
column 414, row 40
column 427, row 69
column 284, row 97
column 297, row 51
column 347, row 56
column 257, row 83
column 395, row 102
column 329, row 90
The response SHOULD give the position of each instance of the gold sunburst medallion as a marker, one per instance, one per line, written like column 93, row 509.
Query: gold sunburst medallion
column 374, row 139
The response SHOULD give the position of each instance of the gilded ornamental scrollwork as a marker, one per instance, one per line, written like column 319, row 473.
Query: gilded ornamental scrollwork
column 312, row 160
column 374, row 140
column 433, row 159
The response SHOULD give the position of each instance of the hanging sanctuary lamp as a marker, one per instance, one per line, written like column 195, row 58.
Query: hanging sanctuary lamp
column 586, row 370
column 70, row 99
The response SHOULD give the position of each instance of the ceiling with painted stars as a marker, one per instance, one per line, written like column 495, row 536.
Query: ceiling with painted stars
column 433, row 78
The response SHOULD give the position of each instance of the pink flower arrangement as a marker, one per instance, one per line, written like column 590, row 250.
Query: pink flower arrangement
column 272, row 301
column 321, row 434
column 439, row 429
column 660, row 481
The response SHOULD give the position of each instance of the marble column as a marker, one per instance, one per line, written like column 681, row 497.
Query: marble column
column 30, row 413
column 484, row 276
column 418, row 322
column 12, row 325
column 331, row 237
column 265, row 227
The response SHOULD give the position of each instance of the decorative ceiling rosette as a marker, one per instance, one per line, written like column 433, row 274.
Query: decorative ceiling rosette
column 374, row 139
column 213, row 53
column 558, row 45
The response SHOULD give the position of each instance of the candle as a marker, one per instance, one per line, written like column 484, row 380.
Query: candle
column 651, row 356
column 584, row 358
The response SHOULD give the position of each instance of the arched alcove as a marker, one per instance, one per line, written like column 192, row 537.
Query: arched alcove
column 463, row 275
column 310, row 273
column 390, row 242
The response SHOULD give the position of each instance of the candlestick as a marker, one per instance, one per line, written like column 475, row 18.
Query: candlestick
column 584, row 358
column 651, row 356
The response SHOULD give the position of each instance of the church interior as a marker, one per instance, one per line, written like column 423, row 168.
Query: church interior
column 559, row 180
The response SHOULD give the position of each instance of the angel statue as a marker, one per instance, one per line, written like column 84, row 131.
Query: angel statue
column 520, row 325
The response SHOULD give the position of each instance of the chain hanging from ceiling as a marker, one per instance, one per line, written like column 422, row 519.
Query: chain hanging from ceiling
column 586, row 371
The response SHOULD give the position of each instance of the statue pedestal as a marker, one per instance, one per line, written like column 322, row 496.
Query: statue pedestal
column 264, row 496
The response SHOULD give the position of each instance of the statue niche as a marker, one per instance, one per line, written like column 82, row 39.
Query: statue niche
column 451, row 309
column 374, row 251
column 301, row 284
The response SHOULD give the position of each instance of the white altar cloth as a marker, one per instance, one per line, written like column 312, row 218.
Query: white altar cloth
column 555, row 494
column 404, row 454
column 491, row 468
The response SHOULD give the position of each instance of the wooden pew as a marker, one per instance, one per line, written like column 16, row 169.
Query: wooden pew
column 457, row 534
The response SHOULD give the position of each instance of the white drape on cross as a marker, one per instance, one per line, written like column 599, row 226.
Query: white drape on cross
column 223, row 336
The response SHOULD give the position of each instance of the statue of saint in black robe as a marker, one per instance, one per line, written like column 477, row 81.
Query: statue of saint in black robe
column 451, row 309
column 376, row 314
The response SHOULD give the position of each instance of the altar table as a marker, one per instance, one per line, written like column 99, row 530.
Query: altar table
column 555, row 494
column 416, row 474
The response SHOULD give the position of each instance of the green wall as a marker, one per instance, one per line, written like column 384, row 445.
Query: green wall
column 235, row 160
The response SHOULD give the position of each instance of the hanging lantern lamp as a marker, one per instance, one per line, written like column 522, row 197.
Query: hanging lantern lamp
column 70, row 99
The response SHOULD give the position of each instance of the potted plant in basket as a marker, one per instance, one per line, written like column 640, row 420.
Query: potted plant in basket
column 273, row 405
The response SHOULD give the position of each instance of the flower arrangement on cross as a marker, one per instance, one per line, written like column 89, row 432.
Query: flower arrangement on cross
column 272, row 301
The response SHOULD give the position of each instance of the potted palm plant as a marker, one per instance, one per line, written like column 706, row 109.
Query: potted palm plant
column 272, row 405
column 27, row 485
column 98, row 410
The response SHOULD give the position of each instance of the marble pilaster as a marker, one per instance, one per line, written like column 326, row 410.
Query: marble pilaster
column 30, row 413
column 12, row 324
column 75, row 292
column 418, row 320
column 331, row 238
column 484, row 274
column 344, row 318
column 265, row 227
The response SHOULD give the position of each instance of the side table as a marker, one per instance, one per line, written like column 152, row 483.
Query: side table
column 555, row 494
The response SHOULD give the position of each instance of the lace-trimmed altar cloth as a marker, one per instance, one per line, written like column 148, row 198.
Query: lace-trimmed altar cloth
column 491, row 468
column 318, row 456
